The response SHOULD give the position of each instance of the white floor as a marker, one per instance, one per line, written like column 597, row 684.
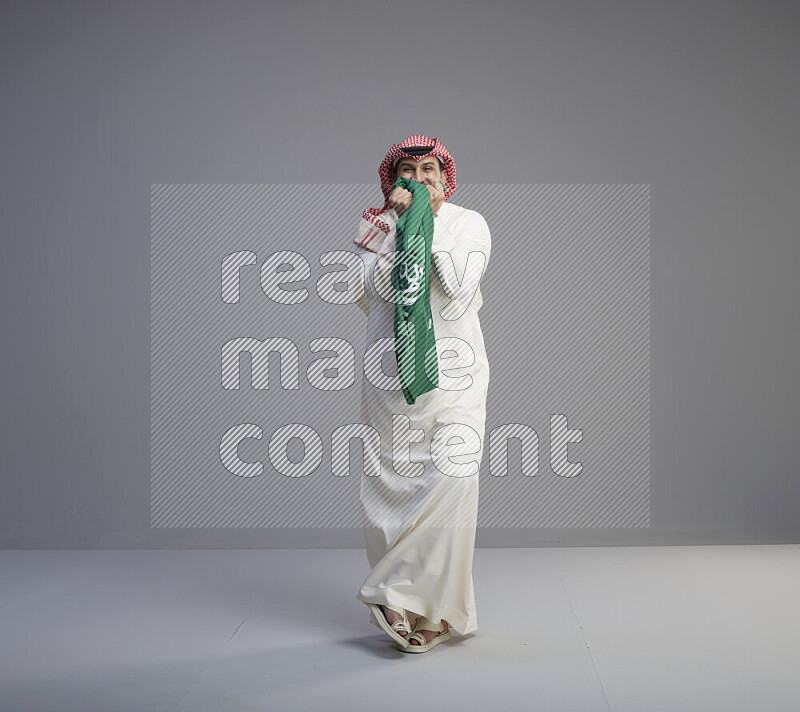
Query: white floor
column 628, row 629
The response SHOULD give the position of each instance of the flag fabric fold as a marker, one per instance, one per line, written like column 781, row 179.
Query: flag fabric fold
column 415, row 340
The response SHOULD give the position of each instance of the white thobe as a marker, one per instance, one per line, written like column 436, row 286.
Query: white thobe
column 420, row 511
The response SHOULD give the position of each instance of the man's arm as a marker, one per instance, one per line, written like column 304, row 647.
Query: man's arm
column 470, row 245
column 368, row 257
column 372, row 247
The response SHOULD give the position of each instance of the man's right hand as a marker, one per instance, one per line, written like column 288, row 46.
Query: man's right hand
column 400, row 200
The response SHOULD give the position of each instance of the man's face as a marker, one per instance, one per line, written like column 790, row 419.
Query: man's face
column 428, row 170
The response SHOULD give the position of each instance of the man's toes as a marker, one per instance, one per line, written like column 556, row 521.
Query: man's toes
column 391, row 617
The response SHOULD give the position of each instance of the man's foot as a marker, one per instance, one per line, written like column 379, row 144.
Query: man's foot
column 391, row 617
column 429, row 635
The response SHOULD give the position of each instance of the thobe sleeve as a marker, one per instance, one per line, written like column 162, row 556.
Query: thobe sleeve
column 376, row 266
column 368, row 257
column 471, row 237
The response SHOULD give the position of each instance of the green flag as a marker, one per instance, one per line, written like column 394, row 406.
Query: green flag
column 415, row 341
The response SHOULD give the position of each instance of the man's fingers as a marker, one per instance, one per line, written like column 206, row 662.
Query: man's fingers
column 400, row 199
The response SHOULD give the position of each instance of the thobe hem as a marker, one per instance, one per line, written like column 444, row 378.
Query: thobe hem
column 458, row 622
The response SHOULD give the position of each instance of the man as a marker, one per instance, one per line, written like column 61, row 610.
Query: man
column 420, row 513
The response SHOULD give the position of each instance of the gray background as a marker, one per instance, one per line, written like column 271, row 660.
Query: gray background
column 101, row 100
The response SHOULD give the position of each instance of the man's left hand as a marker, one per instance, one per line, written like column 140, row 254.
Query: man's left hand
column 437, row 196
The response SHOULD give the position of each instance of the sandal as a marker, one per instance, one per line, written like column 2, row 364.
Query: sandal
column 424, row 645
column 393, row 630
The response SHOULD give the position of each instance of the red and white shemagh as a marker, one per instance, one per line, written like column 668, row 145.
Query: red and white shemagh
column 371, row 225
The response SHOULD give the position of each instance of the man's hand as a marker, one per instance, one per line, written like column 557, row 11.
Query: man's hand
column 400, row 200
column 437, row 196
